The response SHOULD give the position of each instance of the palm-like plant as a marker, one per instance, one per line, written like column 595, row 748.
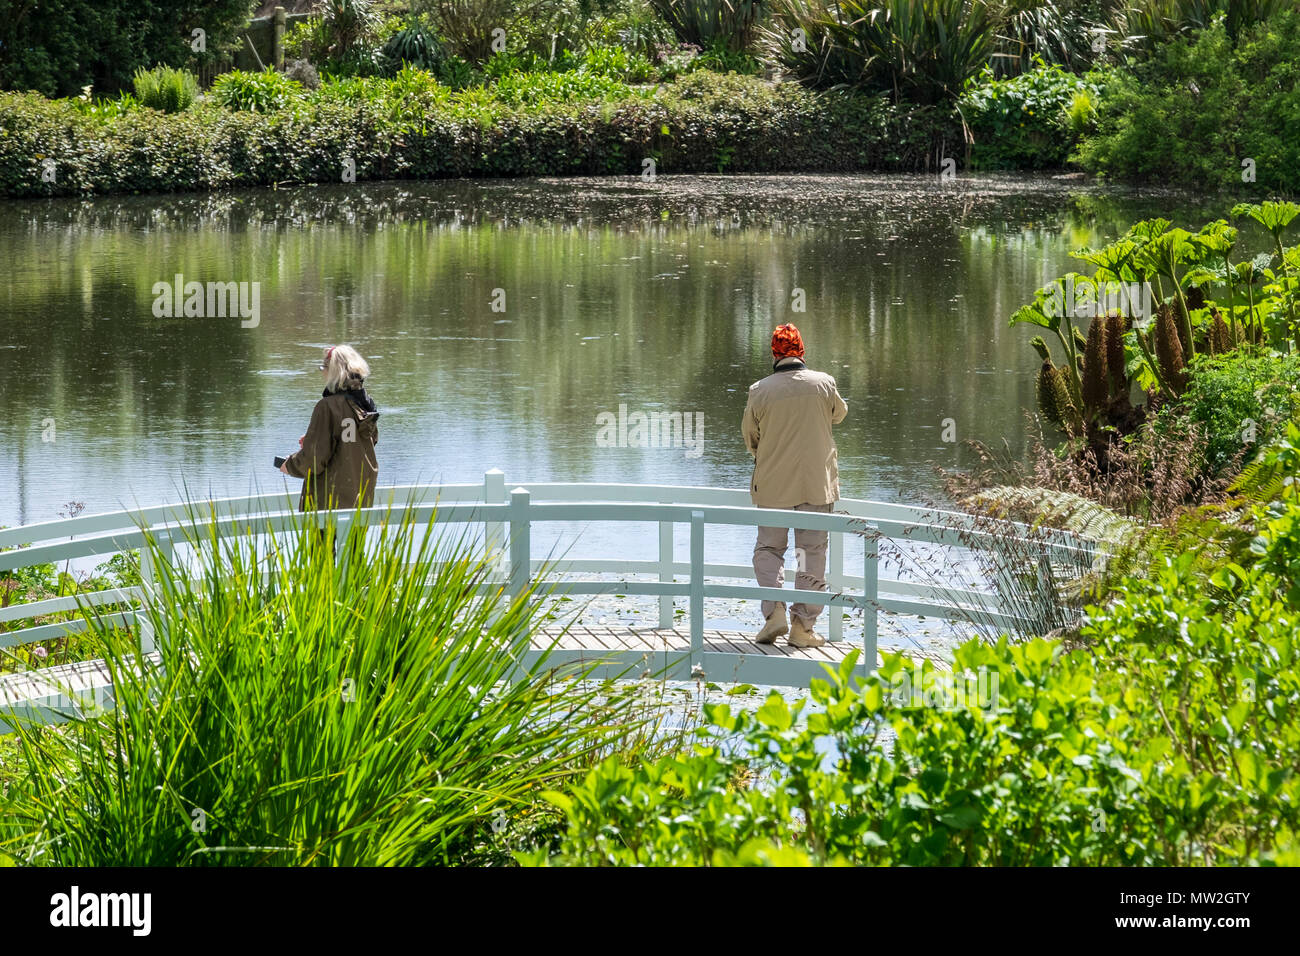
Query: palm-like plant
column 1147, row 22
column 707, row 23
column 468, row 27
column 922, row 51
column 348, row 23
column 1033, row 30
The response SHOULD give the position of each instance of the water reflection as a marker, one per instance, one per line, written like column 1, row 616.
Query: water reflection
column 657, row 295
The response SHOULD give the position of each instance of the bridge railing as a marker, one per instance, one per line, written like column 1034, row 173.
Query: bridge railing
column 508, row 519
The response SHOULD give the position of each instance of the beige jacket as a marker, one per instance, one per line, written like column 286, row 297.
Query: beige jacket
column 787, row 428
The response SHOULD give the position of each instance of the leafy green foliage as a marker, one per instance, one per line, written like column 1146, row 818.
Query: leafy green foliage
column 1060, row 33
column 465, row 26
column 520, row 89
column 1172, row 739
column 922, row 51
column 1150, row 22
column 688, row 125
column 1272, row 475
column 726, row 24
column 40, row 582
column 1177, row 118
column 1030, row 121
column 720, row 58
column 616, row 62
column 1181, row 263
column 415, row 46
column 1244, row 401
column 264, row 92
column 165, row 89
column 59, row 46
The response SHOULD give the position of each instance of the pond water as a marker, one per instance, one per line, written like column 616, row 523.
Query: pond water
column 501, row 318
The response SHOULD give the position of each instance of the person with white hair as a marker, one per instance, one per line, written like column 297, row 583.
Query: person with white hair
column 336, row 458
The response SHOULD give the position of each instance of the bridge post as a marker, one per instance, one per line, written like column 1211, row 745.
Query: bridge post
column 835, row 582
column 870, row 595
column 520, row 543
column 697, row 589
column 494, row 532
column 665, row 572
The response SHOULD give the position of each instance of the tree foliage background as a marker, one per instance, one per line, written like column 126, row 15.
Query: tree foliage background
column 57, row 47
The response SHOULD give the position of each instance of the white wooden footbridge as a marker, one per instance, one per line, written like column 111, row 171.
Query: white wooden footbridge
column 51, row 694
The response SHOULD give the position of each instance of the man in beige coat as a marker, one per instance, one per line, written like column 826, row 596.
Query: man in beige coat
column 787, row 428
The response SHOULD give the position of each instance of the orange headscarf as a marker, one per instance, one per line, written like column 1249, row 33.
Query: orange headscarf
column 786, row 341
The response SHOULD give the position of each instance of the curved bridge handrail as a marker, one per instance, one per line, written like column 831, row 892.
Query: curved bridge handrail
column 897, row 515
column 175, row 513
column 507, row 518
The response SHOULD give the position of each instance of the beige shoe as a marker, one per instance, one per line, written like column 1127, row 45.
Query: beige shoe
column 776, row 626
column 803, row 636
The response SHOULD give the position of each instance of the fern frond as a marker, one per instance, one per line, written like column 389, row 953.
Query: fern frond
column 1260, row 481
column 1062, row 510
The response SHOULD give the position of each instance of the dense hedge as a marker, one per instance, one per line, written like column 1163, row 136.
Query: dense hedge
column 703, row 123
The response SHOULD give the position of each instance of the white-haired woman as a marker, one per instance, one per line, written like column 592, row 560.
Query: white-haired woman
column 336, row 459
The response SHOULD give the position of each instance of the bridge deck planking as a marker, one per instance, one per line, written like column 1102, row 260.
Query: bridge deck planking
column 600, row 637
column 732, row 654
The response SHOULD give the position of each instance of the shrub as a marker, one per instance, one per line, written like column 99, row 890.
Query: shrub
column 719, row 58
column 305, row 40
column 697, row 124
column 466, row 26
column 107, row 109
column 1030, row 121
column 347, row 25
column 60, row 46
column 1147, row 23
column 728, row 24
column 1242, row 399
column 263, row 92
column 1178, row 118
column 1051, row 31
column 457, row 73
column 165, row 89
column 636, row 27
column 616, row 62
column 415, row 46
column 518, row 89
column 921, row 51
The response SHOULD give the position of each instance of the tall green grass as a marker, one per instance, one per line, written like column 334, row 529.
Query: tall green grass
column 307, row 709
